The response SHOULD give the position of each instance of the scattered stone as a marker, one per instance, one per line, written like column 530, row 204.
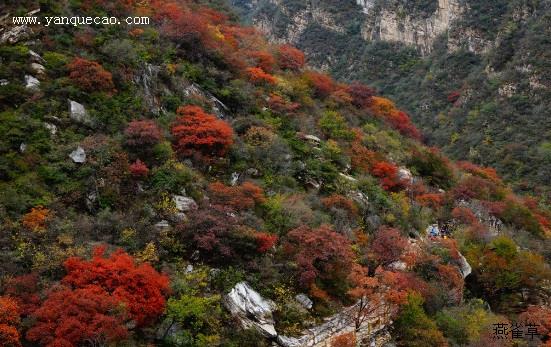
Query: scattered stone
column 234, row 178
column 91, row 199
column 31, row 83
column 189, row 268
column 405, row 174
column 313, row 139
column 37, row 68
column 36, row 58
column 398, row 265
column 16, row 34
column 184, row 203
column 252, row 310
column 252, row 172
column 51, row 127
column 4, row 82
column 78, row 113
column 348, row 177
column 162, row 224
column 304, row 300
column 360, row 198
column 22, row 147
column 78, row 155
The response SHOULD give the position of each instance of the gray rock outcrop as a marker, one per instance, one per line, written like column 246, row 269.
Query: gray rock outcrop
column 252, row 310
column 16, row 34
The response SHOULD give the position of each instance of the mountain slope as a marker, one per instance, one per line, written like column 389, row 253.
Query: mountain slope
column 188, row 183
column 473, row 74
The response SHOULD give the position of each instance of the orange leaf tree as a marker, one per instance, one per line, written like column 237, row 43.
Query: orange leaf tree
column 197, row 132
column 9, row 320
column 139, row 287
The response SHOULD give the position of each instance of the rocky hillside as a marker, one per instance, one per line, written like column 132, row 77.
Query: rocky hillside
column 473, row 74
column 189, row 183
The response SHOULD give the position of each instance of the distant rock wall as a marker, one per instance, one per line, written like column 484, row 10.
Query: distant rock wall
column 379, row 22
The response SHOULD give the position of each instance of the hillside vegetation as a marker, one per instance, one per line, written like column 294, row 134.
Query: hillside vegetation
column 479, row 89
column 153, row 168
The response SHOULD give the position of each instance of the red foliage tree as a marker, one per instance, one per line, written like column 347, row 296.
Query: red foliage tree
column 74, row 317
column 197, row 132
column 344, row 340
column 431, row 200
column 362, row 159
column 464, row 215
column 388, row 245
column 341, row 95
column 181, row 24
column 24, row 290
column 376, row 296
column 282, row 106
column 263, row 60
column 361, row 94
column 388, row 175
column 139, row 287
column 484, row 172
column 241, row 197
column 9, row 320
column 290, row 58
column 402, row 122
column 138, row 169
column 541, row 316
column 257, row 76
column 265, row 241
column 340, row 202
column 90, row 76
column 218, row 235
column 323, row 85
column 319, row 253
column 142, row 133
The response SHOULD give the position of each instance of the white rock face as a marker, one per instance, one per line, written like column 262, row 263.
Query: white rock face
column 78, row 113
column 184, row 203
column 31, row 83
column 251, row 309
column 416, row 31
column 78, row 155
column 464, row 266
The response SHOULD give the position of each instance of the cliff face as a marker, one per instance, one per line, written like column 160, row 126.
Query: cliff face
column 377, row 20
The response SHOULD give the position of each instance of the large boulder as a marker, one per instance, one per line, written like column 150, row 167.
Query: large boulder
column 78, row 113
column 31, row 83
column 252, row 310
column 184, row 203
column 78, row 155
